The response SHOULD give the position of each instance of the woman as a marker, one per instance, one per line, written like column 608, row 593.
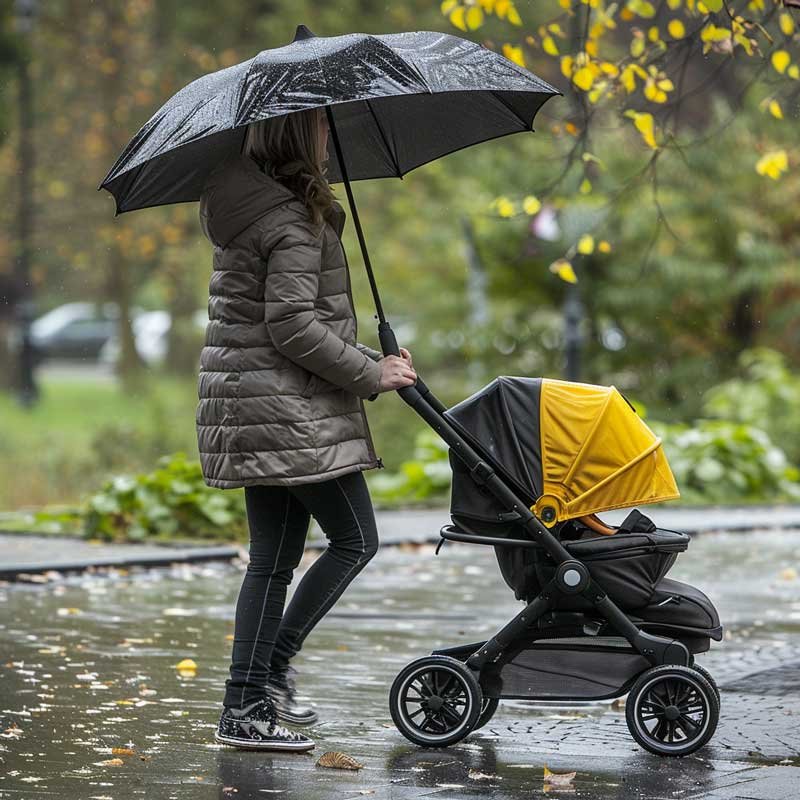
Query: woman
column 281, row 407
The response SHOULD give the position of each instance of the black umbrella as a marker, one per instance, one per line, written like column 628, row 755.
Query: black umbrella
column 394, row 102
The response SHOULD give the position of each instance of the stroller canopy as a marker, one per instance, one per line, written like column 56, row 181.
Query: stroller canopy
column 575, row 448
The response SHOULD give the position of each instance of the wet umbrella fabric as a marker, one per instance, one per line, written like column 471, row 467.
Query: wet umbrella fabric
column 397, row 101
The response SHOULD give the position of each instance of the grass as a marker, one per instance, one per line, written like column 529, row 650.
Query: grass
column 86, row 429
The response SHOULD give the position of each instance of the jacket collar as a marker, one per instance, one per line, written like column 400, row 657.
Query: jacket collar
column 237, row 192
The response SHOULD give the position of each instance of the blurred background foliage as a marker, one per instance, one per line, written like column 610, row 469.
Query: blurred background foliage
column 684, row 241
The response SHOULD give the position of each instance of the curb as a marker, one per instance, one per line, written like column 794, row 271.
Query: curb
column 22, row 572
column 420, row 526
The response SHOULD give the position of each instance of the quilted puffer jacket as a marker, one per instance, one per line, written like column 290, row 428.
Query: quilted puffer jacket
column 282, row 377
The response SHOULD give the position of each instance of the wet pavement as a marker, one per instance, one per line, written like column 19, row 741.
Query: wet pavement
column 92, row 705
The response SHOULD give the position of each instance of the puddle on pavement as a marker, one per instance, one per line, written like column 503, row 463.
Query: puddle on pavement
column 93, row 706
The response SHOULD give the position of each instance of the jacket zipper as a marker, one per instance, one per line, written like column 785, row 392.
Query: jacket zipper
column 370, row 443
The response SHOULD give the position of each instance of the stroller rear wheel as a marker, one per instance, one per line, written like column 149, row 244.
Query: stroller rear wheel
column 435, row 701
column 672, row 710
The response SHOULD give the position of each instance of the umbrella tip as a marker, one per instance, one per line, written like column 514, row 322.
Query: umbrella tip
column 302, row 33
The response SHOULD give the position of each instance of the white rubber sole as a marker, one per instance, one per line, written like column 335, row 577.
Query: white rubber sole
column 291, row 747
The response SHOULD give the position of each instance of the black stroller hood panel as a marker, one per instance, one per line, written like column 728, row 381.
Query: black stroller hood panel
column 503, row 420
column 567, row 449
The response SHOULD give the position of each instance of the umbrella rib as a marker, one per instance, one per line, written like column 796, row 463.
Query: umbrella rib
column 505, row 103
column 386, row 143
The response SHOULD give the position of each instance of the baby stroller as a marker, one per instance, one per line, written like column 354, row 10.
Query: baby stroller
column 534, row 461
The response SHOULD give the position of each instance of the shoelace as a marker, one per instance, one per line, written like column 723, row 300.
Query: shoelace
column 265, row 712
column 285, row 733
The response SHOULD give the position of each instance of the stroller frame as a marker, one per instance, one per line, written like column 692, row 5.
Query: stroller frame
column 671, row 661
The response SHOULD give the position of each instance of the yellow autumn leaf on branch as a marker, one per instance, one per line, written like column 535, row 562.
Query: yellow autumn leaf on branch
column 711, row 33
column 676, row 29
column 603, row 246
column 564, row 270
column 787, row 24
column 549, row 46
column 503, row 206
column 514, row 53
column 773, row 164
column 780, row 60
column 583, row 78
column 474, row 18
column 531, row 204
column 586, row 244
column 457, row 18
column 447, row 6
column 645, row 125
column 567, row 65
column 641, row 7
column 775, row 109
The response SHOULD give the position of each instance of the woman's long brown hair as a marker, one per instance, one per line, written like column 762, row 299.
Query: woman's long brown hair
column 287, row 148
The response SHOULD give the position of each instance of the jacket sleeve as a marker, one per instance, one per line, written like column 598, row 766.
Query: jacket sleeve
column 294, row 259
column 375, row 355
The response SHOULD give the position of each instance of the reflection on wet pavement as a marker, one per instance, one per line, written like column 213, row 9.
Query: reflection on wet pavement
column 93, row 706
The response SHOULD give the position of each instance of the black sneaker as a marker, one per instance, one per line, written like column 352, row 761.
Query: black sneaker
column 281, row 688
column 255, row 727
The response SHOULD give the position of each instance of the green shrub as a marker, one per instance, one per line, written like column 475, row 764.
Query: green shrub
column 719, row 461
column 768, row 396
column 170, row 502
column 423, row 480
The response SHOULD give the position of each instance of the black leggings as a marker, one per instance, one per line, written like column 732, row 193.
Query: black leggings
column 265, row 637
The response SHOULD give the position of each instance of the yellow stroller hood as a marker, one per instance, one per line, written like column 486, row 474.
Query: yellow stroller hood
column 573, row 449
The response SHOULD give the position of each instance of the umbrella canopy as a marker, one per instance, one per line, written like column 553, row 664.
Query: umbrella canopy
column 396, row 101
column 576, row 448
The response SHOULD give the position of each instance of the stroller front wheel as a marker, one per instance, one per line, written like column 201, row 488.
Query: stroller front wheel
column 435, row 701
column 672, row 710
column 488, row 707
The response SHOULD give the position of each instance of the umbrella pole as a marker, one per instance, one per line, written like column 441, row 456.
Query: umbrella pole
column 385, row 332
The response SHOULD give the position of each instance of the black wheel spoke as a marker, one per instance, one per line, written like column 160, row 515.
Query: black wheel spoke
column 692, row 728
column 426, row 685
column 447, row 711
column 413, row 714
column 443, row 688
column 407, row 698
column 660, row 730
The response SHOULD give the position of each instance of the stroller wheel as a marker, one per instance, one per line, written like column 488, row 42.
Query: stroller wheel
column 710, row 678
column 435, row 701
column 488, row 707
column 672, row 710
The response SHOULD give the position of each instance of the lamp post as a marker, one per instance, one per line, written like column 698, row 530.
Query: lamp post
column 25, row 11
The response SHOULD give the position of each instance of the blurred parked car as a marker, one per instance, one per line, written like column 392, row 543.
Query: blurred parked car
column 151, row 332
column 74, row 330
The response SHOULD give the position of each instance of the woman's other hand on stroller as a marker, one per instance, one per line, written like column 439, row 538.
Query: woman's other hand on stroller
column 396, row 372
